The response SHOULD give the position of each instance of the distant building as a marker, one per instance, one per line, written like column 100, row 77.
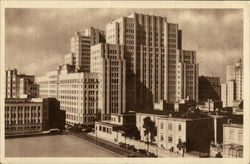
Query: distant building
column 228, row 93
column 20, row 85
column 48, row 84
column 32, row 115
column 233, row 141
column 238, row 107
column 80, row 48
column 183, row 105
column 233, row 88
column 213, row 105
column 187, row 76
column 209, row 88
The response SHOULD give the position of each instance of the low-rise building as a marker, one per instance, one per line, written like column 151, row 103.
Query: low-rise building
column 23, row 116
column 32, row 115
column 172, row 130
column 212, row 105
column 232, row 140
column 118, row 125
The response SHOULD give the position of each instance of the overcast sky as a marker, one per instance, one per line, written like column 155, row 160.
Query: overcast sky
column 37, row 39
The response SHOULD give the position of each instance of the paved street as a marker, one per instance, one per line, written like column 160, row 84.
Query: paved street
column 54, row 146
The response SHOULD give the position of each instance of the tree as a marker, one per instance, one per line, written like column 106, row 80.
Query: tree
column 132, row 132
column 182, row 146
column 150, row 130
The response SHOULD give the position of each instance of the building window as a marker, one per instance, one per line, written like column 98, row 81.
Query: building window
column 179, row 127
column 240, row 136
column 162, row 125
column 169, row 126
column 162, row 138
column 170, row 139
column 231, row 134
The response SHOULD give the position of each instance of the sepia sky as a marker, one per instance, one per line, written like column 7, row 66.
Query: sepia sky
column 37, row 39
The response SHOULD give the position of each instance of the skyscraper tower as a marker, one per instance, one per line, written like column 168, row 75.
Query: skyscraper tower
column 232, row 89
column 108, row 60
column 80, row 47
column 151, row 45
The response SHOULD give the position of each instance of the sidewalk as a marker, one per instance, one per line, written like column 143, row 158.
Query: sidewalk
column 105, row 144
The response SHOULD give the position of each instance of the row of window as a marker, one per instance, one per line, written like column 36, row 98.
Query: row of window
column 21, row 122
column 170, row 126
column 104, row 129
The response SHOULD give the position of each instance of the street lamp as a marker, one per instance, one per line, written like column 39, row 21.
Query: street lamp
column 123, row 133
column 96, row 135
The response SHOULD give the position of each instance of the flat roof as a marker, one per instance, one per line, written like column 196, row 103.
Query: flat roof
column 233, row 125
column 107, row 123
column 165, row 115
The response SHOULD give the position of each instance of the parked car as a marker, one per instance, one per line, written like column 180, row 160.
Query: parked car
column 87, row 129
column 142, row 151
column 132, row 148
column 131, row 155
column 123, row 145
column 149, row 154
column 54, row 131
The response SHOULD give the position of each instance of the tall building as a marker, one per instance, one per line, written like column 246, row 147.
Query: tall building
column 108, row 60
column 78, row 95
column 76, row 91
column 11, row 84
column 80, row 47
column 228, row 93
column 187, row 75
column 151, row 45
column 239, row 80
column 20, row 85
column 209, row 88
column 233, row 88
column 141, row 63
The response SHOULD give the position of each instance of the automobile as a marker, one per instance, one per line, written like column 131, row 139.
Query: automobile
column 123, row 145
column 131, row 155
column 132, row 148
column 54, row 131
column 149, row 154
column 142, row 151
column 45, row 132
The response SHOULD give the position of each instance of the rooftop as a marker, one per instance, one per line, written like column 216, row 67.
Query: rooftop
column 233, row 125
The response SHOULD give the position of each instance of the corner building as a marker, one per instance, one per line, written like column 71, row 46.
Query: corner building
column 151, row 45
column 108, row 60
